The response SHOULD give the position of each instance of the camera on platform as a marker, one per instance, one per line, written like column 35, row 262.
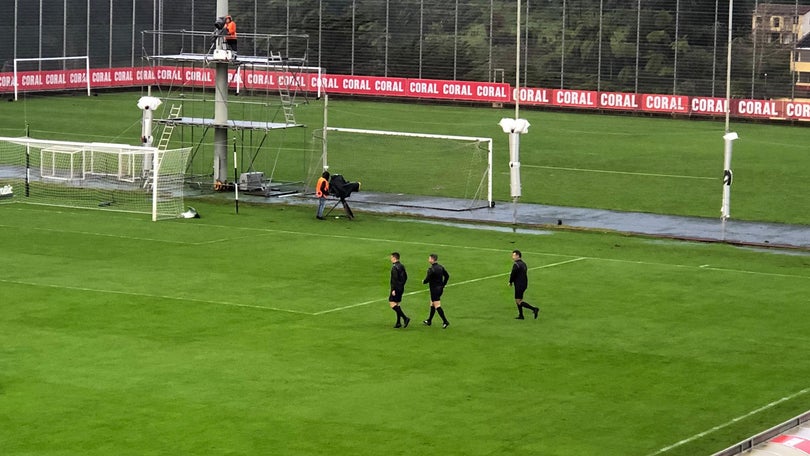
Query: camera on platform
column 219, row 29
column 339, row 188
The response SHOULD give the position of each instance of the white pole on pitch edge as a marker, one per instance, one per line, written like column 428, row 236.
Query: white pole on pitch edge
column 324, row 145
column 728, row 136
column 235, row 178
column 514, row 140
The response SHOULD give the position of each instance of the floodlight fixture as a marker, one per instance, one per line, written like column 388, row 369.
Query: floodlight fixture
column 149, row 103
column 514, row 125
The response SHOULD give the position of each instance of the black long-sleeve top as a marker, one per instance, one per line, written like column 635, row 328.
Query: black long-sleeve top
column 398, row 276
column 519, row 276
column 436, row 276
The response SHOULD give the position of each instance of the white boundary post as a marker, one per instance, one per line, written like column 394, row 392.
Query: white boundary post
column 46, row 59
column 325, row 149
column 729, row 136
column 489, row 177
column 155, row 177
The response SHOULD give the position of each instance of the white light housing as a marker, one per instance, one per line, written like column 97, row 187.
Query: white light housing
column 514, row 125
column 730, row 136
column 151, row 103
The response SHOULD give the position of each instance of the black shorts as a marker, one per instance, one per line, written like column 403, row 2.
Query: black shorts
column 436, row 294
column 519, row 292
column 397, row 297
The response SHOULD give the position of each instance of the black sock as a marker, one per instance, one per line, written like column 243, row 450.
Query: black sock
column 441, row 314
column 529, row 306
column 398, row 311
column 520, row 309
column 432, row 312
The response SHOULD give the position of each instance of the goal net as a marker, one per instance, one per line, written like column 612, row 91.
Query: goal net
column 412, row 163
column 116, row 177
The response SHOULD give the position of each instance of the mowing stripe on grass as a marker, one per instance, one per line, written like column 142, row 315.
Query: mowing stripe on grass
column 265, row 231
column 354, row 238
column 728, row 423
column 88, row 233
column 393, row 241
column 629, row 173
column 456, row 284
column 148, row 295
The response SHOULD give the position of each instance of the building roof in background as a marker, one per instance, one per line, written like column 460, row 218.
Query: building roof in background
column 781, row 9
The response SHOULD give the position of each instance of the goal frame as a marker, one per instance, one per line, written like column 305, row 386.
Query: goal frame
column 123, row 151
column 487, row 141
column 50, row 59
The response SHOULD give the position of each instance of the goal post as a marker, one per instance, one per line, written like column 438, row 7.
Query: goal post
column 93, row 175
column 59, row 84
column 412, row 163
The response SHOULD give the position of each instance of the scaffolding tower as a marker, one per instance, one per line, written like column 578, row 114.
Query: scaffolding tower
column 282, row 56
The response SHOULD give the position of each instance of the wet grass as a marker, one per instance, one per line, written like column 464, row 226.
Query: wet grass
column 656, row 165
column 269, row 331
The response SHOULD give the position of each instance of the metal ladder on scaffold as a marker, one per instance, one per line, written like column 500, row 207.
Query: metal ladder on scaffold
column 166, row 136
column 163, row 143
column 286, row 99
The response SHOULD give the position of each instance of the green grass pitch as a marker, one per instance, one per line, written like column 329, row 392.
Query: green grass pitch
column 269, row 332
column 656, row 165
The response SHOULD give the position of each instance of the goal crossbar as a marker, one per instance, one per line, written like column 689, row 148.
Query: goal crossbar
column 51, row 59
column 487, row 141
column 414, row 135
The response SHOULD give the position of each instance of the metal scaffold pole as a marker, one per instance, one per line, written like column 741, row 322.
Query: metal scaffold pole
column 221, row 111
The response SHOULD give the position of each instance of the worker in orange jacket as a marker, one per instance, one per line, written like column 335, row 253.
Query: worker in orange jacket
column 321, row 191
column 230, row 28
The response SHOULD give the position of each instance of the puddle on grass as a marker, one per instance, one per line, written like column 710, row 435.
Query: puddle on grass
column 473, row 226
column 771, row 250
column 676, row 242
column 775, row 251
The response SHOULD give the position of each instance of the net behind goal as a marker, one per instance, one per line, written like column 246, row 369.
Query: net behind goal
column 115, row 177
column 413, row 163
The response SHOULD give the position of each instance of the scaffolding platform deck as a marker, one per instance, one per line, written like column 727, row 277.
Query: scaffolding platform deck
column 246, row 60
column 231, row 124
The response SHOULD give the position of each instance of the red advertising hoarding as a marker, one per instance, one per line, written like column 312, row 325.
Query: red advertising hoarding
column 483, row 92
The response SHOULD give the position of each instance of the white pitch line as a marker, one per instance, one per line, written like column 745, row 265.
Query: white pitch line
column 704, row 267
column 742, row 271
column 455, row 284
column 728, row 423
column 605, row 171
column 148, row 295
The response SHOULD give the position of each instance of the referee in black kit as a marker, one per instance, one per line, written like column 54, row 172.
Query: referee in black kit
column 436, row 278
column 519, row 279
column 398, row 278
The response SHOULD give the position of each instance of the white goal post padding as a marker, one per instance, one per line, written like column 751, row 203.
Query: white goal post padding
column 92, row 175
column 447, row 160
column 85, row 68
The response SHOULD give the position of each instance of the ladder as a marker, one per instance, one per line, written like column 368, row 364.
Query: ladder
column 286, row 99
column 163, row 144
column 174, row 113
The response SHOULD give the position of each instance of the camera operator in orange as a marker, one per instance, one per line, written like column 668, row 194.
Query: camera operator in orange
column 321, row 190
column 230, row 38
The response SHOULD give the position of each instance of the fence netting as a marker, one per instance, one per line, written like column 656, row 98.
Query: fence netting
column 642, row 46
